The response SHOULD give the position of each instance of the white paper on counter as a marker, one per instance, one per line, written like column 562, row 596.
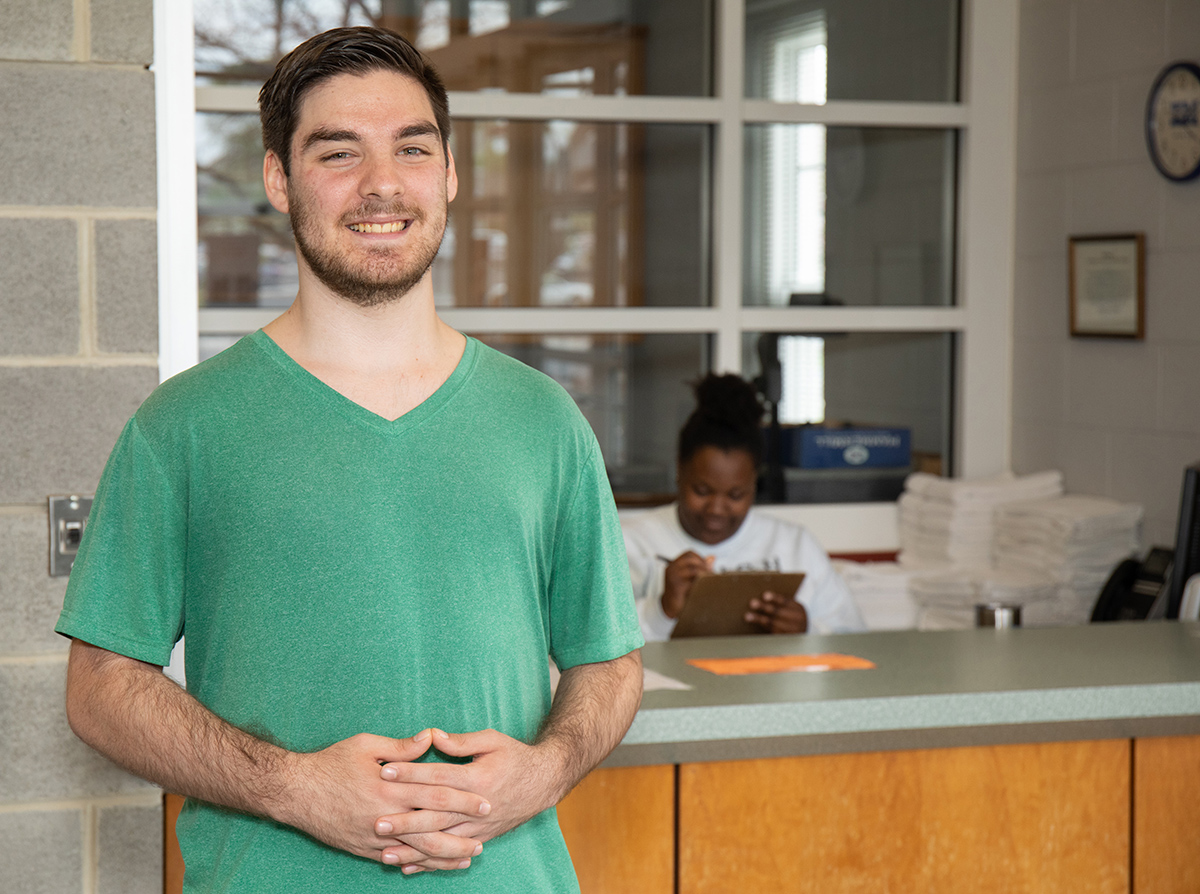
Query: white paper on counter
column 652, row 680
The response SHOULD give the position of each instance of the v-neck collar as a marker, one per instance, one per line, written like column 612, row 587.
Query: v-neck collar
column 357, row 413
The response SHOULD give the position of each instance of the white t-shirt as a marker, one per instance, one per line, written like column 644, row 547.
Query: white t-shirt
column 762, row 543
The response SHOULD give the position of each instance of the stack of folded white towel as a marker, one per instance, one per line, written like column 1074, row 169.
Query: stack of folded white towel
column 943, row 520
column 881, row 592
column 947, row 599
column 1074, row 540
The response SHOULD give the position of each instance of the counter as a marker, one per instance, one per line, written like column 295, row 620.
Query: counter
column 928, row 689
column 1026, row 760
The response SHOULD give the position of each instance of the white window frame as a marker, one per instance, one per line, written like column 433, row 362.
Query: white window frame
column 985, row 119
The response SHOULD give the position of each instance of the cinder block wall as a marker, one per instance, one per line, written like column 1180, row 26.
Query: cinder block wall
column 78, row 353
column 1120, row 418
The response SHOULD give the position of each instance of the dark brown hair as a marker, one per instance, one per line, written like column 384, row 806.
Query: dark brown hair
column 338, row 51
column 728, row 416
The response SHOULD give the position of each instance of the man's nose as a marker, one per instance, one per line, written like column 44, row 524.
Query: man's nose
column 380, row 178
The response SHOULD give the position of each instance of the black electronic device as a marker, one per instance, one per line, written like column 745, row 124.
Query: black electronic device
column 1187, row 540
column 1134, row 589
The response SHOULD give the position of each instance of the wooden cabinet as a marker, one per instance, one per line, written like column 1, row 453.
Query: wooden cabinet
column 1010, row 819
column 1014, row 819
column 619, row 825
column 1166, row 815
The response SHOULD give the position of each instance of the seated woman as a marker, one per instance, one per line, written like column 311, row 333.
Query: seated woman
column 712, row 527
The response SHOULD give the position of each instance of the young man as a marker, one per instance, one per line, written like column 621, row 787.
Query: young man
column 373, row 531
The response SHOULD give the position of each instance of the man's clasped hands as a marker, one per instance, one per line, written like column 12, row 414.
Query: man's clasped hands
column 385, row 806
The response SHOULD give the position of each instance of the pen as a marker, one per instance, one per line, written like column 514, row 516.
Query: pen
column 666, row 559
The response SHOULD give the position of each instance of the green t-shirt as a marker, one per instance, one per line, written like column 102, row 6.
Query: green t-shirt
column 336, row 573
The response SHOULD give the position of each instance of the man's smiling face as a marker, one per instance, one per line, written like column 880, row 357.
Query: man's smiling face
column 369, row 186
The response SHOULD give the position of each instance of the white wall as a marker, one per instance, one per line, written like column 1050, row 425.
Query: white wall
column 1120, row 419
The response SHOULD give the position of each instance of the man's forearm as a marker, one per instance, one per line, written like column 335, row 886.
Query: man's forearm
column 592, row 710
column 133, row 714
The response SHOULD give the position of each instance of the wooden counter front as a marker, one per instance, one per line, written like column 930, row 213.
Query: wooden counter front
column 1010, row 819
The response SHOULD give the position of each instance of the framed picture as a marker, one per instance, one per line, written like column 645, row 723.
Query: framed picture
column 1108, row 285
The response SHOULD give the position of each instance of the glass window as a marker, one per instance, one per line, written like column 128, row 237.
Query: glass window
column 651, row 47
column 868, row 50
column 855, row 216
column 246, row 253
column 635, row 390
column 576, row 214
column 901, row 382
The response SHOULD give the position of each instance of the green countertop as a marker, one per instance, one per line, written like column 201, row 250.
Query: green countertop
column 928, row 689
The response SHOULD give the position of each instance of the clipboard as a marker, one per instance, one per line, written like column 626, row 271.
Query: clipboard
column 716, row 605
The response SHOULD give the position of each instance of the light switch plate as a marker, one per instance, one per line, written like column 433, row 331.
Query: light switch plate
column 68, row 517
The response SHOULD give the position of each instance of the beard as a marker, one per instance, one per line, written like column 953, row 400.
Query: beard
column 382, row 277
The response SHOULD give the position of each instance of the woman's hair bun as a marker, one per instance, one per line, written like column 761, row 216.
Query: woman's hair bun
column 729, row 399
column 728, row 416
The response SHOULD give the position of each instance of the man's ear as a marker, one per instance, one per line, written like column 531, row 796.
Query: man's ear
column 276, row 182
column 451, row 176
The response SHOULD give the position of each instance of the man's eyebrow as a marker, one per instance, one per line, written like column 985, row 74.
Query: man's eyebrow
column 329, row 135
column 335, row 135
column 423, row 129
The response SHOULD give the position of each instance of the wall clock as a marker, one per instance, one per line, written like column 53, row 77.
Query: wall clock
column 1173, row 121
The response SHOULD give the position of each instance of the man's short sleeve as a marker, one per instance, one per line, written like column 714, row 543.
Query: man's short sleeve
column 125, row 593
column 592, row 616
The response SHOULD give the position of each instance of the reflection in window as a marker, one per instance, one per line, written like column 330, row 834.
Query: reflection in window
column 796, row 256
column 246, row 253
column 632, row 389
column 575, row 214
column 518, row 47
column 795, row 71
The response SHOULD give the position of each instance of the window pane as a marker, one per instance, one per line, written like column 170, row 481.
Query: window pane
column 635, row 390
column 653, row 47
column 246, row 255
column 895, row 381
column 852, row 49
column 576, row 214
column 849, row 215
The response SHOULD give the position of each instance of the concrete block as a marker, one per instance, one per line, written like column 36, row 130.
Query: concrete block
column 1067, row 127
column 1181, row 205
column 43, row 33
column 30, row 599
column 1172, row 314
column 43, row 760
column 1122, row 198
column 1041, row 311
column 60, row 424
column 1034, row 447
column 1180, row 411
column 123, row 31
column 1111, row 385
column 42, row 851
column 1183, row 24
column 1084, row 458
column 130, row 845
column 1038, row 382
column 1147, row 468
column 76, row 135
column 1115, row 36
column 127, row 285
column 39, row 287
column 1044, row 62
column 1129, row 124
column 1041, row 212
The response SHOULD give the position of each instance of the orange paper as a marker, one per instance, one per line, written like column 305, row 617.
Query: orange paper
column 775, row 664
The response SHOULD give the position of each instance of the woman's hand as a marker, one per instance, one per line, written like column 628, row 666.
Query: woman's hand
column 681, row 573
column 777, row 614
